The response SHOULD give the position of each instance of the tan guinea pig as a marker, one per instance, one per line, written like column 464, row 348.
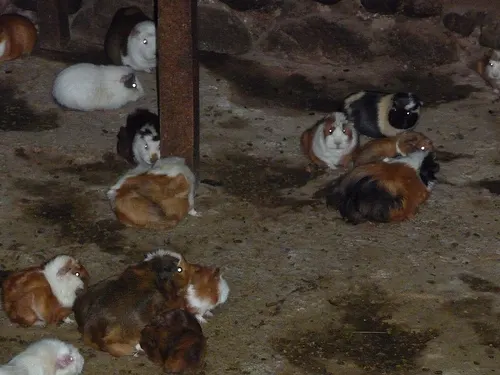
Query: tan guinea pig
column 18, row 36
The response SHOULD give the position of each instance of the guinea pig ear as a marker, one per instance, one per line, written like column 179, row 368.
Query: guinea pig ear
column 64, row 361
column 65, row 269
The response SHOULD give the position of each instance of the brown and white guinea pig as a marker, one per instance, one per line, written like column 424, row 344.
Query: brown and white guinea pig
column 387, row 191
column 489, row 69
column 379, row 114
column 112, row 313
column 131, row 39
column 139, row 140
column 48, row 356
column 89, row 87
column 158, row 197
column 330, row 141
column 174, row 340
column 202, row 288
column 18, row 36
column 390, row 147
column 42, row 295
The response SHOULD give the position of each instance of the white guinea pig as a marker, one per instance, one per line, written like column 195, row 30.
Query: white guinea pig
column 88, row 87
column 141, row 47
column 46, row 357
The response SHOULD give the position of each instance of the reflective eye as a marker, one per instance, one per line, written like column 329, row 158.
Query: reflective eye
column 146, row 147
column 490, row 64
column 145, row 41
column 71, row 359
column 179, row 269
column 134, row 85
column 422, row 148
column 77, row 274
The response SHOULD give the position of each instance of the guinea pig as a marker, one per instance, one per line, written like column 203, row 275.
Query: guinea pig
column 158, row 197
column 139, row 140
column 18, row 36
column 46, row 357
column 42, row 295
column 131, row 39
column 387, row 191
column 489, row 69
column 390, row 147
column 112, row 313
column 174, row 340
column 202, row 288
column 378, row 114
column 330, row 141
column 89, row 87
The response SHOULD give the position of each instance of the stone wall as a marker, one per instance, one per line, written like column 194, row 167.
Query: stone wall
column 324, row 30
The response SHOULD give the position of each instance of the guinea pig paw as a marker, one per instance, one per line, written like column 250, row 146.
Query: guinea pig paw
column 208, row 314
column 138, row 350
column 201, row 319
column 193, row 212
column 68, row 320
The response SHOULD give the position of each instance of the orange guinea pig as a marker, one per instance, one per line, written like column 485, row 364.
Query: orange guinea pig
column 42, row 295
column 174, row 340
column 202, row 288
column 18, row 36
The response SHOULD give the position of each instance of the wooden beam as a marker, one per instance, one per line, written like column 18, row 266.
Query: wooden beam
column 178, row 80
column 53, row 24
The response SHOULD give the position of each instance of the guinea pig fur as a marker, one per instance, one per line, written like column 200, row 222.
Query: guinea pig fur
column 489, row 68
column 112, row 313
column 158, row 197
column 390, row 147
column 139, row 140
column 174, row 340
column 44, row 294
column 131, row 39
column 18, row 36
column 387, row 191
column 46, row 357
column 202, row 288
column 330, row 141
column 378, row 114
column 89, row 87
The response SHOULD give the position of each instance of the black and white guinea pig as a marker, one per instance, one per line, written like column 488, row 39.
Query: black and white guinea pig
column 379, row 114
column 89, row 87
column 131, row 39
column 139, row 140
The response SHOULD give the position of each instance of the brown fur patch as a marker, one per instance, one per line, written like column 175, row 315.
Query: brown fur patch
column 153, row 201
column 20, row 33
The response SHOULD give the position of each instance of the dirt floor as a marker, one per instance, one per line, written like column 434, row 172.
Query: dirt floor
column 309, row 293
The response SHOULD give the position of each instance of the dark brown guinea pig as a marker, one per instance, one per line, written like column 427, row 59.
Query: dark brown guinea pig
column 174, row 340
column 112, row 313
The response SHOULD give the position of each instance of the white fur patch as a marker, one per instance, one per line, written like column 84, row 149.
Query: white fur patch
column 3, row 46
column 63, row 287
column 46, row 357
column 161, row 253
column 414, row 160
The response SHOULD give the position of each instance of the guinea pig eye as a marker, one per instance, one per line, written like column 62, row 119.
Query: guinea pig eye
column 179, row 269
column 145, row 41
column 422, row 148
column 77, row 274
column 146, row 147
column 134, row 85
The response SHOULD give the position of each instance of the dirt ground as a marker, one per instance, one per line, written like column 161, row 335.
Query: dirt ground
column 310, row 294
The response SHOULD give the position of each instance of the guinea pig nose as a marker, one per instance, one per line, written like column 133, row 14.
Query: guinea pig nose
column 154, row 157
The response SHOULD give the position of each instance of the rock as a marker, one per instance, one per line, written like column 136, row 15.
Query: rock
column 422, row 8
column 490, row 33
column 221, row 31
column 243, row 5
column 381, row 6
column 108, row 8
column 421, row 45
column 315, row 38
column 73, row 5
column 462, row 24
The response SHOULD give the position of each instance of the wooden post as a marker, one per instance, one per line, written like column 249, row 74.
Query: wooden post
column 178, row 80
column 53, row 24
